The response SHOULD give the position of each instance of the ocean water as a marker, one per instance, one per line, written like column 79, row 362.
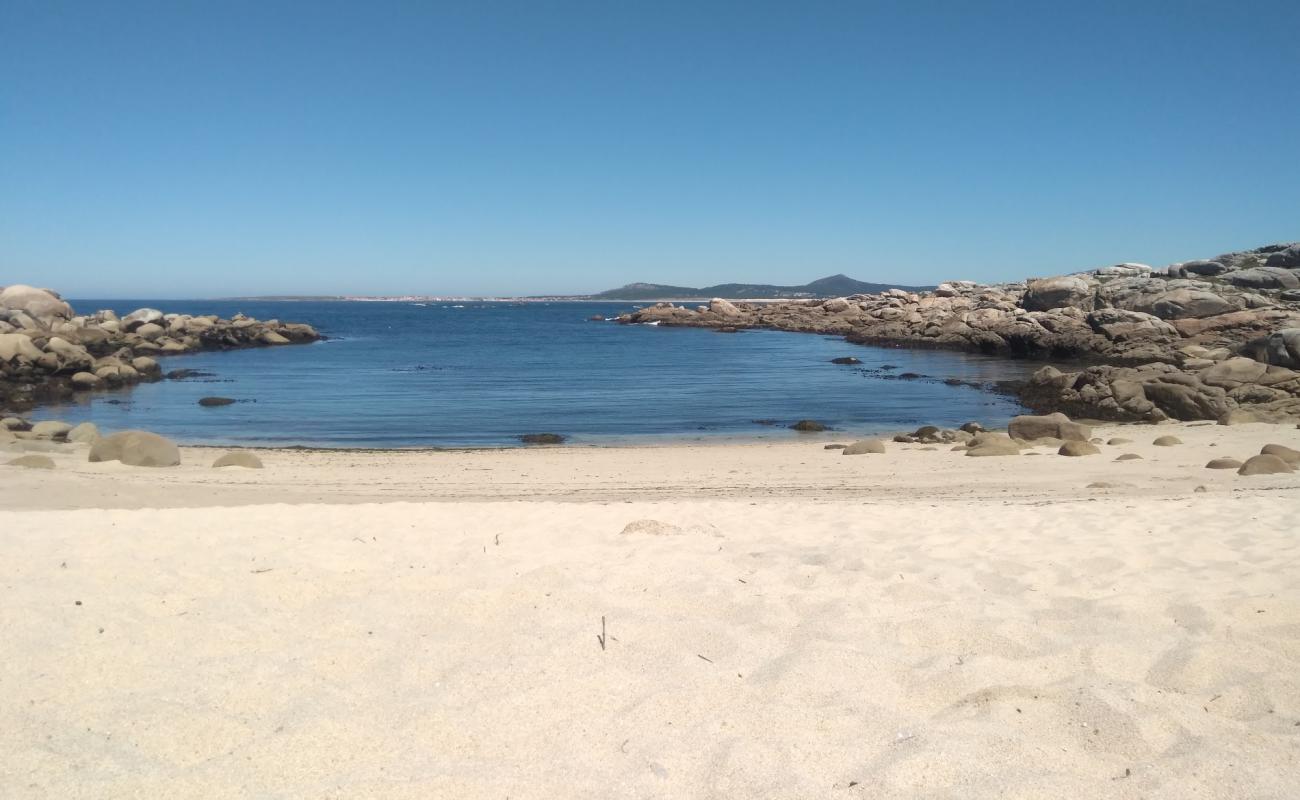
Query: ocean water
column 481, row 374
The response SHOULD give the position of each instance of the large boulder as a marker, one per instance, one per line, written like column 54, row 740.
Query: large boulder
column 1288, row 258
column 1265, row 278
column 51, row 429
column 724, row 307
column 71, row 356
column 139, row 317
column 1197, row 303
column 1280, row 347
column 1067, row 291
column 1186, row 401
column 1283, row 452
column 86, row 381
column 1118, row 324
column 1203, row 268
column 151, row 331
column 136, row 449
column 1233, row 372
column 863, row 447
column 1264, row 464
column 1049, row 426
column 17, row 346
column 39, row 303
column 992, row 444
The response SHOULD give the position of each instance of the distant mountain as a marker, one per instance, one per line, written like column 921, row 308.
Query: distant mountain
column 833, row 286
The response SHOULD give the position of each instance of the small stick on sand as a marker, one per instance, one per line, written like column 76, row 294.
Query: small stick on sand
column 706, row 659
column 601, row 637
column 260, row 571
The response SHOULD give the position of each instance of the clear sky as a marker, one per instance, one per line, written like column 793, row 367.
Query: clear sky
column 194, row 148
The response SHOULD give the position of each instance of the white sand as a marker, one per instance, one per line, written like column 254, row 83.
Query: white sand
column 918, row 624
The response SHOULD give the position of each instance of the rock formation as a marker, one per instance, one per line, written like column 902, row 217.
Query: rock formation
column 1215, row 338
column 48, row 352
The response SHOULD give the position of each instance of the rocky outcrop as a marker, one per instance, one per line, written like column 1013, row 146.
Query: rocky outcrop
column 48, row 352
column 1141, row 343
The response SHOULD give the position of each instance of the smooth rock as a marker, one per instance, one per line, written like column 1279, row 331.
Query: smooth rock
column 238, row 458
column 1264, row 465
column 1283, row 452
column 32, row 462
column 1128, row 457
column 865, row 446
column 136, row 449
column 1223, row 463
column 1076, row 448
column 85, row 433
column 51, row 429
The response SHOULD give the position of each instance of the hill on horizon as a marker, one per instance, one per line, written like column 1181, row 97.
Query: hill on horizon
column 830, row 286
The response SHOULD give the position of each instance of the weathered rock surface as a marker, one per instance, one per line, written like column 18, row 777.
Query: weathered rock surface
column 864, row 446
column 136, row 449
column 1076, row 448
column 47, row 351
column 32, row 462
column 1223, row 463
column 85, row 433
column 1264, row 465
column 1055, row 426
column 1149, row 338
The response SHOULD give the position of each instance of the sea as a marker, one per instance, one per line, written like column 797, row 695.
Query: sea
column 481, row 374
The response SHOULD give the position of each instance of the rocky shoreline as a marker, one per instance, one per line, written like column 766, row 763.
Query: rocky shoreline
column 49, row 353
column 1215, row 339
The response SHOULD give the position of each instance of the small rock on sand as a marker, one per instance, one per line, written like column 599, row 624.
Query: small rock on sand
column 651, row 527
column 33, row 462
column 1119, row 440
column 834, row 447
column 1264, row 464
column 1128, row 457
column 1223, row 463
column 1167, row 441
column 1078, row 449
column 238, row 458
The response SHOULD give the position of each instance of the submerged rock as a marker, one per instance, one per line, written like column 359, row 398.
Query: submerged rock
column 542, row 438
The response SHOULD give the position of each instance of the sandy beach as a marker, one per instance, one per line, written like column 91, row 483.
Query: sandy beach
column 770, row 620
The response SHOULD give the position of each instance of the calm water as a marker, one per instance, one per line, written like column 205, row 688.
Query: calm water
column 397, row 374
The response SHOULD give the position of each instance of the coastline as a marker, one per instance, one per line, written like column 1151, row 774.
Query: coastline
column 750, row 620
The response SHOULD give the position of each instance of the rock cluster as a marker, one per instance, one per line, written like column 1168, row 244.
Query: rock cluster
column 1168, row 343
column 48, row 352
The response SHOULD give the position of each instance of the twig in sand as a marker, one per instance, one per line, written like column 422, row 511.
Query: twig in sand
column 601, row 637
column 260, row 571
column 358, row 539
column 497, row 540
column 706, row 659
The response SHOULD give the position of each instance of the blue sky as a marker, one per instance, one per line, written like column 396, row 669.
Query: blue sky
column 183, row 148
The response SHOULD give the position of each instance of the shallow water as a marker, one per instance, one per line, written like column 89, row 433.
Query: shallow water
column 480, row 374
